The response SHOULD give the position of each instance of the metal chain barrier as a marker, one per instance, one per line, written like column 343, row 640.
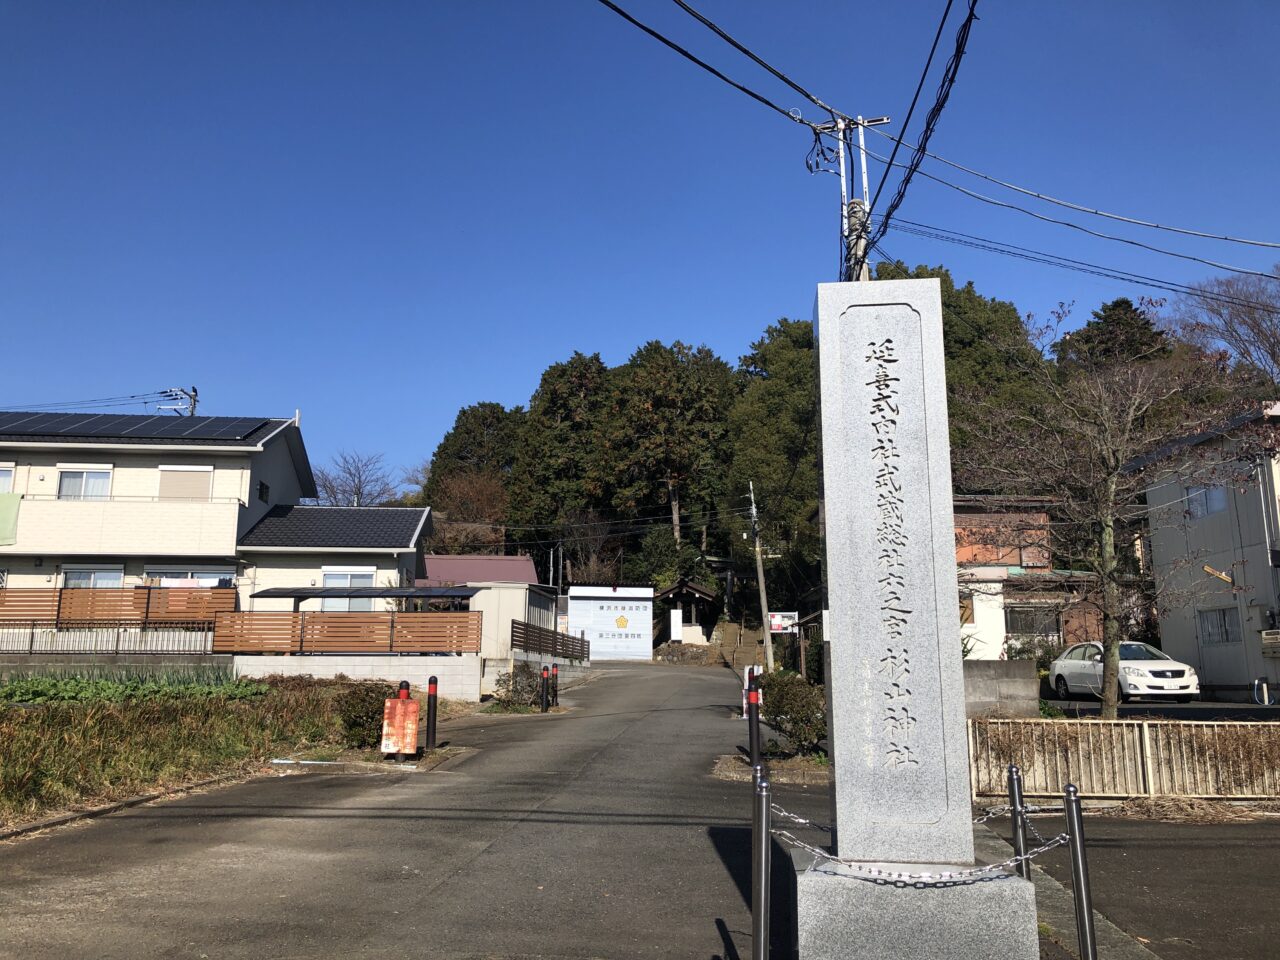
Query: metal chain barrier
column 920, row 881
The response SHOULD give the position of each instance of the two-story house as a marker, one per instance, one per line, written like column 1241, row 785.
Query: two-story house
column 93, row 500
column 1215, row 558
column 1013, row 602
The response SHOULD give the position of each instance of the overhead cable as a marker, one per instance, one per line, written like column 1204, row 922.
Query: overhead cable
column 754, row 57
column 945, row 86
column 794, row 117
column 1068, row 263
column 1080, row 207
column 1075, row 226
column 74, row 405
column 924, row 75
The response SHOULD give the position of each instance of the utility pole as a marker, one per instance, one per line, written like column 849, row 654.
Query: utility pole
column 855, row 213
column 764, row 597
column 189, row 399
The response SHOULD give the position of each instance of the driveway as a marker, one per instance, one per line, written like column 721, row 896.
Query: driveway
column 596, row 833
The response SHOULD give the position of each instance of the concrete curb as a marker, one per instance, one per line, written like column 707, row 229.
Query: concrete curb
column 65, row 818
column 1056, row 908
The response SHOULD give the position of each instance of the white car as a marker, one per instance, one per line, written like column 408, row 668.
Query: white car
column 1144, row 672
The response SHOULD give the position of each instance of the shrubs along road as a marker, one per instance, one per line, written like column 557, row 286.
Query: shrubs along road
column 68, row 741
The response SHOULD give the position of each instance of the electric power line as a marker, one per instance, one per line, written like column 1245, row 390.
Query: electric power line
column 75, row 406
column 1075, row 226
column 945, row 86
column 794, row 117
column 924, row 75
column 1067, row 263
column 757, row 59
column 1080, row 207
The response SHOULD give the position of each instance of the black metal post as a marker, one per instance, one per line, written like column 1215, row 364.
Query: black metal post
column 431, row 714
column 1019, row 820
column 545, row 697
column 1080, row 875
column 555, row 685
column 761, row 849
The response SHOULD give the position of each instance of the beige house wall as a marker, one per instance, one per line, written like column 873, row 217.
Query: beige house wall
column 1236, row 541
column 132, row 521
column 502, row 602
column 263, row 571
column 274, row 467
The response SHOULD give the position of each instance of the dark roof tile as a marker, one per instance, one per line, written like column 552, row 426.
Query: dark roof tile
column 304, row 527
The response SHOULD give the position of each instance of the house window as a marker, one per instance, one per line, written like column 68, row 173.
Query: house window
column 354, row 577
column 187, row 577
column 93, row 577
column 185, row 482
column 264, row 492
column 1219, row 626
column 1203, row 501
column 966, row 608
column 6, row 477
column 84, row 483
column 1032, row 621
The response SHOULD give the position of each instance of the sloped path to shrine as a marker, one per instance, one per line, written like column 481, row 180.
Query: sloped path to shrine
column 594, row 833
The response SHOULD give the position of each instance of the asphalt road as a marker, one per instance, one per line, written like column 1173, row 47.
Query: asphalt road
column 596, row 833
column 1190, row 891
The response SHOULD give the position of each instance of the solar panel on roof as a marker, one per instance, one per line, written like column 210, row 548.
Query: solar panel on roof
column 128, row 426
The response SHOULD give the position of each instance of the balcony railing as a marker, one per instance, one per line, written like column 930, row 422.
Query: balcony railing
column 321, row 633
column 108, row 606
column 125, row 526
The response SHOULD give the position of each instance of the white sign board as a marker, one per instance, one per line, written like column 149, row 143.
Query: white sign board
column 783, row 622
column 617, row 621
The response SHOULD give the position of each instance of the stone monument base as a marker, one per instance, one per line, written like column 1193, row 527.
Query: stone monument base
column 842, row 917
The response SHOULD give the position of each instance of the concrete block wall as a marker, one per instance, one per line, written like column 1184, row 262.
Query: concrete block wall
column 570, row 670
column 459, row 677
column 1001, row 688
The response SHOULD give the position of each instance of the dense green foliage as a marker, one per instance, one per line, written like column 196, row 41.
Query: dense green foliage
column 360, row 708
column 795, row 708
column 640, row 472
column 60, row 754
column 122, row 687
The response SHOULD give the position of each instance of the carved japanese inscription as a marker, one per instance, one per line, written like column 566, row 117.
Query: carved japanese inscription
column 895, row 682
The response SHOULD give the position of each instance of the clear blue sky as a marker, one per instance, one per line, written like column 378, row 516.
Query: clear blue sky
column 378, row 212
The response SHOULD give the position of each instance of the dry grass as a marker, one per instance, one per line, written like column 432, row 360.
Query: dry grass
column 1181, row 810
column 68, row 755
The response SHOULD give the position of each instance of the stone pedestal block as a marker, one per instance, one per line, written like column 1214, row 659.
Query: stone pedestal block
column 840, row 917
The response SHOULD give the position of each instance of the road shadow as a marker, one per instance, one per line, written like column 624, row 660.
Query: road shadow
column 733, row 846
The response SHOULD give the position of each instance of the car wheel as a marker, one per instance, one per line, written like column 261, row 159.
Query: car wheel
column 1060, row 687
column 1121, row 696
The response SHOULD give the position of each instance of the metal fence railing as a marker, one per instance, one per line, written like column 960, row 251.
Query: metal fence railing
column 549, row 643
column 1128, row 758
column 113, row 636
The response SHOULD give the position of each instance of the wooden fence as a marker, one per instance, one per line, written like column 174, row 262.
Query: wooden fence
column 544, row 642
column 386, row 633
column 1127, row 758
column 116, row 605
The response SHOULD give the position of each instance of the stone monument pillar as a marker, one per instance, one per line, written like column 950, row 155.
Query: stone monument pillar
column 895, row 683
